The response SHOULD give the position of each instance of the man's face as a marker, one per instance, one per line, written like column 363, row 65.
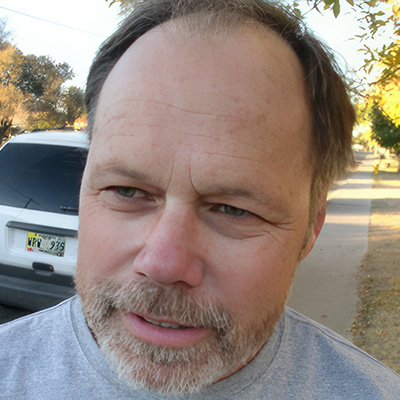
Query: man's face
column 194, row 205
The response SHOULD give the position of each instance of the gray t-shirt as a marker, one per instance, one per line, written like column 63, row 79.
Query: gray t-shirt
column 51, row 355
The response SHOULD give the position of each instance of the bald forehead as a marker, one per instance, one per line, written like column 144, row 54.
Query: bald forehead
column 220, row 27
column 215, row 23
column 251, row 37
column 247, row 61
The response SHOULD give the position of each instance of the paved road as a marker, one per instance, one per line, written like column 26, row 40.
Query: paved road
column 325, row 286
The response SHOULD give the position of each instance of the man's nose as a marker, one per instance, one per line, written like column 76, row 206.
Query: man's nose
column 171, row 253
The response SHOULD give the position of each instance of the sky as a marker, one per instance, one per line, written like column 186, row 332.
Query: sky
column 78, row 29
column 72, row 30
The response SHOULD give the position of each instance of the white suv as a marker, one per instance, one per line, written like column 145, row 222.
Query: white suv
column 40, row 176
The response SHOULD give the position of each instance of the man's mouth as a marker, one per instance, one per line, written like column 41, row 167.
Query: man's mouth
column 164, row 324
column 164, row 332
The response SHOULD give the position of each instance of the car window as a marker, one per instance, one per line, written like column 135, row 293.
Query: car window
column 41, row 177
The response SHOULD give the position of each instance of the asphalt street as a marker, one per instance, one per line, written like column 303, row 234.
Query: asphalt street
column 325, row 287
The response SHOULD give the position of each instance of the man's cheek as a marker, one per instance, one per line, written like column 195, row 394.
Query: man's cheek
column 97, row 244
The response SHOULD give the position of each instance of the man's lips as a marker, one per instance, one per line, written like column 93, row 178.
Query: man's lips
column 162, row 332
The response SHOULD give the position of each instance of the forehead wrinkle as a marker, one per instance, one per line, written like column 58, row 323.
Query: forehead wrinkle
column 261, row 161
column 147, row 102
column 172, row 170
column 115, row 119
column 188, row 111
column 236, row 135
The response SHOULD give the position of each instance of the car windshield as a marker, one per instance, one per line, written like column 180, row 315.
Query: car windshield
column 41, row 177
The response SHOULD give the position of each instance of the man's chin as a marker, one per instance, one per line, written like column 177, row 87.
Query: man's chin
column 169, row 370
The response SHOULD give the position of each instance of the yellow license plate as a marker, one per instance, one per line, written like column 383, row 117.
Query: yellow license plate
column 48, row 244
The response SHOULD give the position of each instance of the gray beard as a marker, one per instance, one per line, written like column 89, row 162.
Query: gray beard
column 170, row 371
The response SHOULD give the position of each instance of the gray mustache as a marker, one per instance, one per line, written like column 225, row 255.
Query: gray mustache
column 150, row 300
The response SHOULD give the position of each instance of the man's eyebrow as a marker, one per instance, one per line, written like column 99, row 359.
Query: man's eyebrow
column 255, row 196
column 120, row 171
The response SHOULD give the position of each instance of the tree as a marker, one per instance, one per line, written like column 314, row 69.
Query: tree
column 388, row 98
column 381, row 102
column 73, row 100
column 11, row 96
column 42, row 80
column 387, row 58
column 36, row 84
column 384, row 130
column 5, row 35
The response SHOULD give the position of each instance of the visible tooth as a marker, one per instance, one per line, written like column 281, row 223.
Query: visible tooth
column 163, row 324
column 172, row 326
column 151, row 322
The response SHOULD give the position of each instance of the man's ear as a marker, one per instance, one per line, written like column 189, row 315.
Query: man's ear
column 314, row 231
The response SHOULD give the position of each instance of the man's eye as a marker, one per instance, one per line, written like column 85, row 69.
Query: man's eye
column 232, row 211
column 128, row 192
